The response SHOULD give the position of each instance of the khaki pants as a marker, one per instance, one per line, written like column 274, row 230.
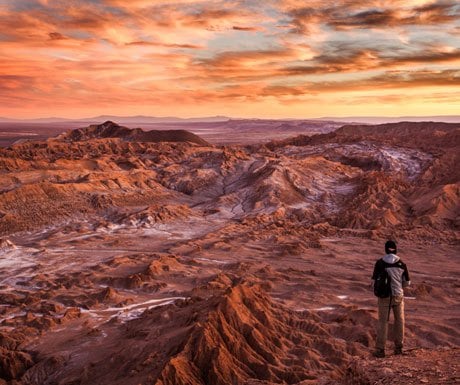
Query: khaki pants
column 397, row 304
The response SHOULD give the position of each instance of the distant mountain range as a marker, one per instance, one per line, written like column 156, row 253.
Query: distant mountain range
column 396, row 119
column 122, row 119
column 170, row 119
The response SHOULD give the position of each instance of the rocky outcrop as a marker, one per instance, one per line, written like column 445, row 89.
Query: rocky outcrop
column 112, row 130
column 248, row 337
column 14, row 362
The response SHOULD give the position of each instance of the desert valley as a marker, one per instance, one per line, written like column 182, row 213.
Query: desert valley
column 197, row 192
column 130, row 256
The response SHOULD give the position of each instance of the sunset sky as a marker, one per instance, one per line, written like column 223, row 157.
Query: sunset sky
column 239, row 58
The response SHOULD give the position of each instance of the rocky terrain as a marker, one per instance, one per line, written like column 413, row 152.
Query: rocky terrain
column 147, row 257
column 222, row 131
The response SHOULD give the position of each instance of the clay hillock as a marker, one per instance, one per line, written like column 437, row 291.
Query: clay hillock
column 50, row 154
column 236, row 335
column 146, row 272
column 47, row 182
column 13, row 364
column 407, row 176
column 249, row 337
column 382, row 196
column 444, row 169
column 151, row 215
column 309, row 179
column 112, row 130
column 29, row 206
column 423, row 135
column 6, row 244
column 303, row 184
column 438, row 205
column 266, row 186
column 299, row 140
column 165, row 263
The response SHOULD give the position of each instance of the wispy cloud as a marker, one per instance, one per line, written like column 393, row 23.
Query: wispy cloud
column 251, row 57
column 370, row 14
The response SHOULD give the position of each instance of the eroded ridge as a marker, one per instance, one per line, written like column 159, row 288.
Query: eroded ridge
column 128, row 259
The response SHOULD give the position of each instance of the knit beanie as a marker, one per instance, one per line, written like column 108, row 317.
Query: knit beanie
column 390, row 247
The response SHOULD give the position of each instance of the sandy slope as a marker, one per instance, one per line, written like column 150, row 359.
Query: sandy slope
column 133, row 262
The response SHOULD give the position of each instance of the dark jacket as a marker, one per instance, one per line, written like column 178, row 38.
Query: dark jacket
column 397, row 270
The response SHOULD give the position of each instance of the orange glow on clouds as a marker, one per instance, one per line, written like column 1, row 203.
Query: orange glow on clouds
column 286, row 58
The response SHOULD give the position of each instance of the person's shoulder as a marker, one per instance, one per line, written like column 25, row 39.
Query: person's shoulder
column 379, row 262
column 401, row 262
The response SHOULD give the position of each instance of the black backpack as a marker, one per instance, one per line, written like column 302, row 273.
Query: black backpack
column 382, row 285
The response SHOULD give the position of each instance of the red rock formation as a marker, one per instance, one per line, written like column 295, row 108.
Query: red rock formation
column 112, row 130
column 134, row 261
column 249, row 337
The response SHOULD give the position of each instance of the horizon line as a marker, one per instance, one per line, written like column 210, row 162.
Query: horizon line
column 225, row 117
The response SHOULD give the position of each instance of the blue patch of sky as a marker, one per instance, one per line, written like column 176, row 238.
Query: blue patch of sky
column 27, row 5
column 63, row 55
column 432, row 35
column 5, row 37
column 241, row 41
column 336, row 76
column 358, row 36
column 79, row 34
column 105, row 45
column 21, row 5
column 455, row 10
column 259, row 6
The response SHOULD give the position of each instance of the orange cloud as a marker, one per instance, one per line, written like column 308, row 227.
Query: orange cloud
column 154, row 44
column 145, row 56
column 369, row 14
column 240, row 28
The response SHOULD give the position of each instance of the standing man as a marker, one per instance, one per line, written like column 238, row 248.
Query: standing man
column 390, row 269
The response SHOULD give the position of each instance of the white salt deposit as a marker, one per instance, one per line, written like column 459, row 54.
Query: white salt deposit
column 131, row 311
column 212, row 261
column 325, row 308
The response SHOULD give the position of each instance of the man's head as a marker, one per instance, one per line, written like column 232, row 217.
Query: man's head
column 390, row 247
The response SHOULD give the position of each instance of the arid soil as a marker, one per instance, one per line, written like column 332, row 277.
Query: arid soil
column 130, row 258
column 418, row 366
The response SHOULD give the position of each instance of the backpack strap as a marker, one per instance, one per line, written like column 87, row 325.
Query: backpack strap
column 378, row 268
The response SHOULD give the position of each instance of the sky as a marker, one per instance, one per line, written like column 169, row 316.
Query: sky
column 238, row 58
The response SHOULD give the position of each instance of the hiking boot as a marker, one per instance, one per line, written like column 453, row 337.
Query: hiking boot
column 398, row 351
column 379, row 353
